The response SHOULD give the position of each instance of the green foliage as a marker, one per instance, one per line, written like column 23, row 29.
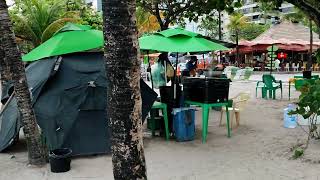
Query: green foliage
column 177, row 10
column 317, row 54
column 310, row 7
column 298, row 153
column 237, row 21
column 210, row 26
column 35, row 21
column 247, row 31
column 309, row 105
column 32, row 17
column 251, row 30
column 300, row 17
column 85, row 13
column 146, row 22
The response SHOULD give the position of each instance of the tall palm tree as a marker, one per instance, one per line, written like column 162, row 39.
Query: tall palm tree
column 37, row 20
column 237, row 21
column 17, row 74
column 4, row 74
column 124, row 97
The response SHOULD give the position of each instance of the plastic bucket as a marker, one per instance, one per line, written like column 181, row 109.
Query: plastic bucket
column 60, row 160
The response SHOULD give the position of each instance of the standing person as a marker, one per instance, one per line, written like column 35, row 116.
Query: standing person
column 165, row 62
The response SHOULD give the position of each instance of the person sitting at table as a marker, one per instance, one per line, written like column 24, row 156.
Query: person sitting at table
column 192, row 65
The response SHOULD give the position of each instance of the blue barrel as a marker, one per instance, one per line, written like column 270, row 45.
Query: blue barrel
column 289, row 121
column 184, row 124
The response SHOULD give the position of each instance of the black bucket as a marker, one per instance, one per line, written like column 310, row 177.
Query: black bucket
column 60, row 160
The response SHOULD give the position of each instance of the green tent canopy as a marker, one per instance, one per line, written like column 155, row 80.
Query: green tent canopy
column 177, row 40
column 69, row 39
column 77, row 38
column 178, row 31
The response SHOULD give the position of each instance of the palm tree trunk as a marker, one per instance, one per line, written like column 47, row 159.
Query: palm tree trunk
column 4, row 71
column 309, row 64
column 17, row 74
column 220, row 30
column 237, row 47
column 124, row 98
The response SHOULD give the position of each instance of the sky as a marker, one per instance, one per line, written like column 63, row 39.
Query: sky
column 10, row 2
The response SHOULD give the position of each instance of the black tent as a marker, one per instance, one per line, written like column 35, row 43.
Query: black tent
column 69, row 98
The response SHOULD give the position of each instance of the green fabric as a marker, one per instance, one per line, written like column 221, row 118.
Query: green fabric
column 73, row 27
column 77, row 38
column 178, row 43
column 177, row 31
column 71, row 38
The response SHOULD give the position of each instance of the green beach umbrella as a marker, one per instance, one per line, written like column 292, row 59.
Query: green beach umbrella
column 69, row 39
column 178, row 31
column 178, row 40
column 178, row 43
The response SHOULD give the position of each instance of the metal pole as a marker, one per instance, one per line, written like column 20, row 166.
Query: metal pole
column 309, row 64
column 204, row 62
column 175, row 79
column 237, row 42
column 271, row 58
column 150, row 69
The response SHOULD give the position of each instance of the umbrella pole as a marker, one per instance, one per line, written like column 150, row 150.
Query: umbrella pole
column 204, row 62
column 150, row 70
column 175, row 79
column 271, row 59
column 165, row 71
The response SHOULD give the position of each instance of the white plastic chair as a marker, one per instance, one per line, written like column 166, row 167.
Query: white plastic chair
column 239, row 103
column 294, row 67
column 287, row 68
column 277, row 65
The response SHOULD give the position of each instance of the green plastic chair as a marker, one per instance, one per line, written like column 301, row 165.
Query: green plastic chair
column 234, row 72
column 163, row 107
column 247, row 73
column 270, row 85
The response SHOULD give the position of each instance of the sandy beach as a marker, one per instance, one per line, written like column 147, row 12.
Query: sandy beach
column 259, row 149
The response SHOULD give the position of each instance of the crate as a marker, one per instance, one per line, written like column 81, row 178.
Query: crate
column 206, row 90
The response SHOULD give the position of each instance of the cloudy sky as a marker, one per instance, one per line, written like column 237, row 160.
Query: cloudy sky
column 9, row 2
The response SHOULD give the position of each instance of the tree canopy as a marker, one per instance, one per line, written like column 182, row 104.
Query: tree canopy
column 175, row 11
column 246, row 30
column 210, row 26
column 146, row 22
column 309, row 7
column 35, row 21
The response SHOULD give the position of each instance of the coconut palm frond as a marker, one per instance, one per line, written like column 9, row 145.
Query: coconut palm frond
column 55, row 26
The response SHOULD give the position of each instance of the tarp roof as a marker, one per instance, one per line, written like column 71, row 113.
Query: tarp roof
column 287, row 33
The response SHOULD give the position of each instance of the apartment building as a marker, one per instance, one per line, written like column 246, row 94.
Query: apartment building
column 252, row 9
column 96, row 4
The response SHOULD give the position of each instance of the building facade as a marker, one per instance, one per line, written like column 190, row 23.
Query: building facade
column 96, row 4
column 255, row 13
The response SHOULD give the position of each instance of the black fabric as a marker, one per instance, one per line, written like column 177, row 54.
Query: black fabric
column 69, row 100
column 9, row 125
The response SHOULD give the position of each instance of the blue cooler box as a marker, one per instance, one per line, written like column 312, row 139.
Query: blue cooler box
column 183, row 124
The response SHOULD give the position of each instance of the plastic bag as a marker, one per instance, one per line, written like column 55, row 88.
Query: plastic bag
column 158, row 75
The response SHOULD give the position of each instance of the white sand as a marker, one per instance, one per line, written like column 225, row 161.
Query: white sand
column 258, row 149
